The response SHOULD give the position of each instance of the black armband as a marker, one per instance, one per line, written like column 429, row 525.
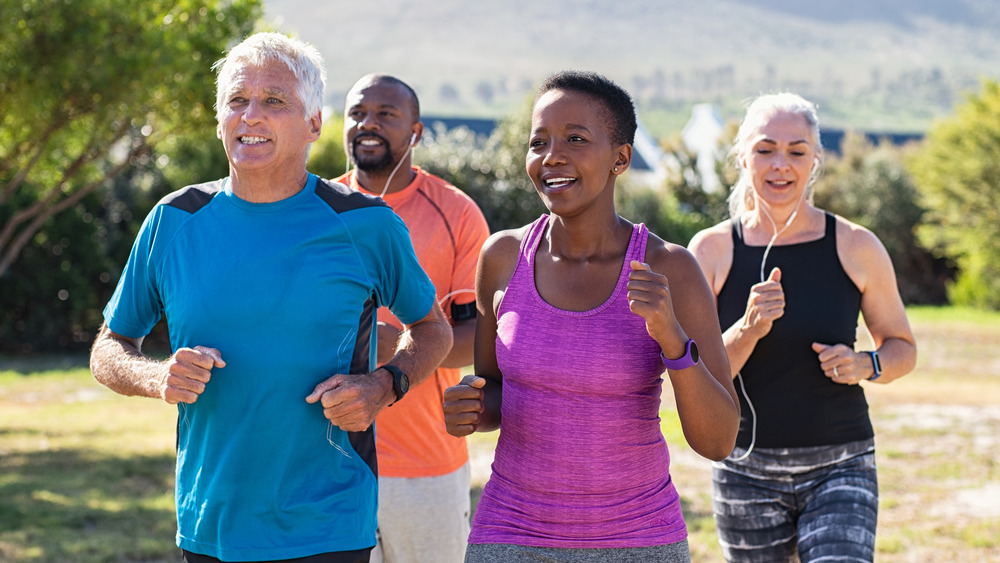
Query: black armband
column 463, row 312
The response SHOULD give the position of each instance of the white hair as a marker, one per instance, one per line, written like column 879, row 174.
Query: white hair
column 259, row 49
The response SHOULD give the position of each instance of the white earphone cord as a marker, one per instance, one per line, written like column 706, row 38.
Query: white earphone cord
column 409, row 148
column 763, row 262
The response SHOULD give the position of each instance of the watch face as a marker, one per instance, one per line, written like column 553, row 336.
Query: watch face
column 694, row 351
column 404, row 382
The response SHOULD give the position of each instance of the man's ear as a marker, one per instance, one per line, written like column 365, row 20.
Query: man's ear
column 316, row 125
column 418, row 133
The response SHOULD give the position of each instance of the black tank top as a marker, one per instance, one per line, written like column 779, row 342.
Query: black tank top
column 796, row 405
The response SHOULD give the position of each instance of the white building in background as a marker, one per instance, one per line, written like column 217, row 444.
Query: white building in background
column 702, row 135
column 649, row 166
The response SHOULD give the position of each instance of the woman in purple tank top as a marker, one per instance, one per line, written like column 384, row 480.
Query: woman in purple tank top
column 579, row 314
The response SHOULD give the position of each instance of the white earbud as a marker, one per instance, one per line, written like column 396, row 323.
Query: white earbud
column 413, row 139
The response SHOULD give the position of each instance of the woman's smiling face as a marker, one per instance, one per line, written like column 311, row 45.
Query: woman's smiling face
column 780, row 157
column 570, row 152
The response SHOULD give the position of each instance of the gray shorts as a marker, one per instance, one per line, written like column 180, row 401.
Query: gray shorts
column 506, row 553
column 423, row 518
column 815, row 503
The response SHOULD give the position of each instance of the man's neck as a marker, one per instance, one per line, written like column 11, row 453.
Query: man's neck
column 267, row 188
column 376, row 182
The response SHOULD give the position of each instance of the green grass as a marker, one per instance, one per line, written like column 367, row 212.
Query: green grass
column 87, row 475
column 961, row 316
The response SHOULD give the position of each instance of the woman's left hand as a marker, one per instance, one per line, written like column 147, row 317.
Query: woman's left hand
column 842, row 364
column 649, row 297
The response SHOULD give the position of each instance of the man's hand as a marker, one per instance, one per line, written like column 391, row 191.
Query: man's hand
column 188, row 370
column 352, row 402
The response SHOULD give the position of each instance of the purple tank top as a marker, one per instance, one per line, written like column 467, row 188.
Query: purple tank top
column 581, row 461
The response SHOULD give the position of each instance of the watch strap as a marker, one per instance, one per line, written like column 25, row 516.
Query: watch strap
column 876, row 365
column 400, row 382
column 689, row 358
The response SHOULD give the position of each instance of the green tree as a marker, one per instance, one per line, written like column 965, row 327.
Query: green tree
column 327, row 158
column 490, row 169
column 104, row 108
column 87, row 89
column 957, row 172
column 868, row 184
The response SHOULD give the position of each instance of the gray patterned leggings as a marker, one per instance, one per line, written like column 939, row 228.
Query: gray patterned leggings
column 818, row 503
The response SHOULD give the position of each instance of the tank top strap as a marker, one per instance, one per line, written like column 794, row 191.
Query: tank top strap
column 737, row 230
column 530, row 242
column 637, row 245
column 830, row 234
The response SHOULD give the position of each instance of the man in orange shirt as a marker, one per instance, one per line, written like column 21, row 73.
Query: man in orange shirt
column 424, row 472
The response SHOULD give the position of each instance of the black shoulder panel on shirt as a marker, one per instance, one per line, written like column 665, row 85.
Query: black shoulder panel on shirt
column 193, row 198
column 341, row 198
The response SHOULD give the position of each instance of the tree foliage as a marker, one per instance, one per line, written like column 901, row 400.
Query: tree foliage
column 490, row 169
column 869, row 185
column 87, row 88
column 957, row 172
column 105, row 106
column 327, row 158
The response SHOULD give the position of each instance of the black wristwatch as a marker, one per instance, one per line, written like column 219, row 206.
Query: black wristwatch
column 400, row 382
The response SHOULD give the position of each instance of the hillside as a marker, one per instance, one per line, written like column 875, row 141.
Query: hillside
column 890, row 65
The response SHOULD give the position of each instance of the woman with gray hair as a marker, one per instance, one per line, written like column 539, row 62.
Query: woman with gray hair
column 790, row 280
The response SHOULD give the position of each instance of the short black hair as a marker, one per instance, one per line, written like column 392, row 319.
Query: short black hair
column 414, row 102
column 616, row 100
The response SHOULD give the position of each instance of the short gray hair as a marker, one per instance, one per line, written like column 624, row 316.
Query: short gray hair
column 300, row 57
column 761, row 109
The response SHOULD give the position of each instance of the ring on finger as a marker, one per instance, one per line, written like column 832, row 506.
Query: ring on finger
column 835, row 374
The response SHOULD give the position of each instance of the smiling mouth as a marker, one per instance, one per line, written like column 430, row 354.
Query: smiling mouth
column 557, row 183
column 248, row 140
column 369, row 142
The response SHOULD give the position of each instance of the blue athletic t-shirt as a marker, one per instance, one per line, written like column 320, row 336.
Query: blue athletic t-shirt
column 287, row 292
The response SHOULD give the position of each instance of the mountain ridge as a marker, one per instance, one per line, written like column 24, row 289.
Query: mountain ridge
column 889, row 64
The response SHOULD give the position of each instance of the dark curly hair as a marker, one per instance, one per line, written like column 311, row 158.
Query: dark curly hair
column 617, row 102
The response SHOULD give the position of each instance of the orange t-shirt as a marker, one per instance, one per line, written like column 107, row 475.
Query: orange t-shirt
column 448, row 230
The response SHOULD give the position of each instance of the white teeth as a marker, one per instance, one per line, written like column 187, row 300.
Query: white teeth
column 252, row 140
column 558, row 182
column 370, row 142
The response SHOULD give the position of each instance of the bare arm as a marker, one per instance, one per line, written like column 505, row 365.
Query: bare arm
column 353, row 401
column 675, row 309
column 117, row 362
column 463, row 334
column 867, row 263
column 474, row 404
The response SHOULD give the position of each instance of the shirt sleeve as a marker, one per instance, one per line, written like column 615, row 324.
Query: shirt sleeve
column 472, row 234
column 136, row 305
column 403, row 286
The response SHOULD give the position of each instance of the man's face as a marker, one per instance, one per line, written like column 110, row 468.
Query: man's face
column 262, row 121
column 378, row 125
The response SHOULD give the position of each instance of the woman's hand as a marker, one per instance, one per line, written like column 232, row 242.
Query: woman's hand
column 464, row 405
